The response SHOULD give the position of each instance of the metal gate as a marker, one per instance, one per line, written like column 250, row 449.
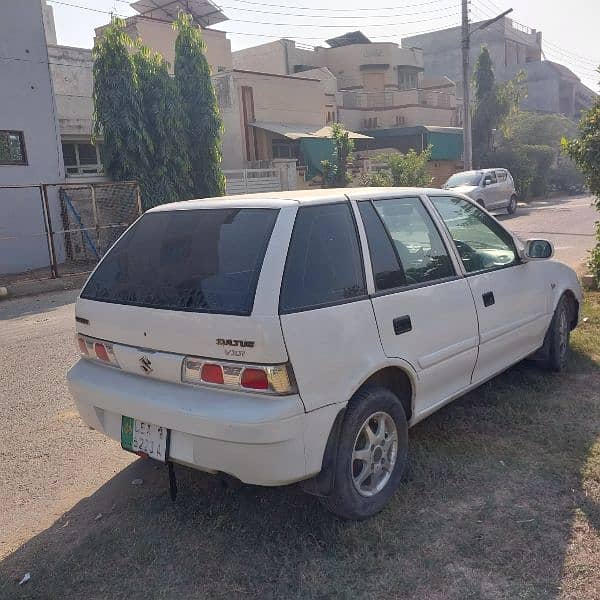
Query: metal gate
column 50, row 230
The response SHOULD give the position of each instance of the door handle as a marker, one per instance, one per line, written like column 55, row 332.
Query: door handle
column 488, row 299
column 402, row 324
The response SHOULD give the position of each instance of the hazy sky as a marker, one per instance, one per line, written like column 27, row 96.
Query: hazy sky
column 569, row 28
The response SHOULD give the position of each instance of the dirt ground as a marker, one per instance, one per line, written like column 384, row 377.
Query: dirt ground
column 501, row 498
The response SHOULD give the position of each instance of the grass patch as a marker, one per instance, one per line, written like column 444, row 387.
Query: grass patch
column 501, row 499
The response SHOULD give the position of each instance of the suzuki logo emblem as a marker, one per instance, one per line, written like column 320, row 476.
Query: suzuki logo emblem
column 146, row 364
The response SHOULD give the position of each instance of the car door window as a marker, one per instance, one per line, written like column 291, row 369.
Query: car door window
column 492, row 176
column 415, row 241
column 324, row 263
column 481, row 242
column 387, row 271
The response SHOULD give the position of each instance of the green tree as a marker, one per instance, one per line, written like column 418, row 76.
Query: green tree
column 138, row 111
column 202, row 119
column 118, row 111
column 335, row 171
column 585, row 151
column 168, row 177
column 402, row 170
column 494, row 103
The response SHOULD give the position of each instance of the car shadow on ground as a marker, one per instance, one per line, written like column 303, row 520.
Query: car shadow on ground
column 486, row 509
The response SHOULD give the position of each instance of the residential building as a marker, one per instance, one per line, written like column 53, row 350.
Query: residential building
column 153, row 26
column 265, row 114
column 30, row 152
column 378, row 84
column 551, row 87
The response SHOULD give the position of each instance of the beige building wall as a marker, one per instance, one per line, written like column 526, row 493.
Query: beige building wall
column 267, row 58
column 348, row 63
column 161, row 37
column 278, row 99
column 73, row 82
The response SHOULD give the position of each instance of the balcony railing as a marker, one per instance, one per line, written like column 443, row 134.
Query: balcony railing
column 393, row 98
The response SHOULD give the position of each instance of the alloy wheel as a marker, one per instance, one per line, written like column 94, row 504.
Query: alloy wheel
column 374, row 454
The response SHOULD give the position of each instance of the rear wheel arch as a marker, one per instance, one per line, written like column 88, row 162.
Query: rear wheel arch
column 393, row 378
column 398, row 381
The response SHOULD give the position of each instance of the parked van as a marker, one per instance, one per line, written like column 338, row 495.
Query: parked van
column 296, row 336
column 494, row 189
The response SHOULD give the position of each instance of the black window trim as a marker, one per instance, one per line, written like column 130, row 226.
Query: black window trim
column 235, row 313
column 12, row 163
column 409, row 286
column 518, row 261
column 365, row 296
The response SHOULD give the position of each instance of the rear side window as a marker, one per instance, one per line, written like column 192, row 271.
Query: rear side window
column 191, row 260
column 324, row 264
column 387, row 271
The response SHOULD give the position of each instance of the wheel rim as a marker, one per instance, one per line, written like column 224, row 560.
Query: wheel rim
column 374, row 454
column 563, row 334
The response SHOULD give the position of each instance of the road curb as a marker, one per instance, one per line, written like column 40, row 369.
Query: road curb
column 42, row 286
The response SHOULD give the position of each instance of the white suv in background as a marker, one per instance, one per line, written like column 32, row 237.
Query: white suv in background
column 494, row 189
column 297, row 336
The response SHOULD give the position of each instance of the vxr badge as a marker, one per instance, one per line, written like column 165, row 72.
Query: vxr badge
column 146, row 364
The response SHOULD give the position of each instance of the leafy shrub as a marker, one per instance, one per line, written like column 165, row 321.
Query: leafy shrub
column 401, row 170
column 566, row 176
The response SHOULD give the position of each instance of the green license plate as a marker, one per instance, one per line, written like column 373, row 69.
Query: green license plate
column 144, row 438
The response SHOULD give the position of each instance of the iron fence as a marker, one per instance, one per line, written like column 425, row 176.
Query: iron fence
column 52, row 230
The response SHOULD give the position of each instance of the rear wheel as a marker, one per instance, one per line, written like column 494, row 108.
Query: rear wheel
column 371, row 454
column 558, row 336
column 512, row 205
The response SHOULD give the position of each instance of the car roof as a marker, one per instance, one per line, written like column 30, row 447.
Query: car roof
column 295, row 198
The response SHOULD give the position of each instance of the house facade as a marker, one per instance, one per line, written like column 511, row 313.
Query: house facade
column 30, row 152
column 552, row 88
column 377, row 84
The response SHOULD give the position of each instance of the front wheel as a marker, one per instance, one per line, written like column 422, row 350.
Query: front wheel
column 371, row 454
column 558, row 337
column 512, row 205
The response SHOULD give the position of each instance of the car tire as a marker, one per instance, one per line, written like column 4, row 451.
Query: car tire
column 512, row 205
column 481, row 203
column 558, row 335
column 371, row 454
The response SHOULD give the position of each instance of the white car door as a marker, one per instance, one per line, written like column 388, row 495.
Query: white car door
column 513, row 298
column 424, row 308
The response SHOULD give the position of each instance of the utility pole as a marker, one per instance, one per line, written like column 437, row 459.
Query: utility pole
column 466, row 34
column 466, row 85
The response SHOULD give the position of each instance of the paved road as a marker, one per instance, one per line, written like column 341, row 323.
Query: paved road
column 50, row 460
column 567, row 222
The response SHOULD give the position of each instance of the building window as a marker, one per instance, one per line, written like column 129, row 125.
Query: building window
column 370, row 123
column 82, row 159
column 330, row 117
column 407, row 79
column 12, row 148
column 286, row 149
column 400, row 120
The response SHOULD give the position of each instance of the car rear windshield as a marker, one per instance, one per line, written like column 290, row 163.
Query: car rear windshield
column 205, row 260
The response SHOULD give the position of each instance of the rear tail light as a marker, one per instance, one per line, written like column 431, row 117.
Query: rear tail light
column 270, row 379
column 211, row 373
column 97, row 349
column 254, row 379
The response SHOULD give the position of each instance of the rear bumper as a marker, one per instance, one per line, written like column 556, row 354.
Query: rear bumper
column 262, row 440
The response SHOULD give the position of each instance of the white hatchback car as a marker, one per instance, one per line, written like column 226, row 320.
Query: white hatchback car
column 296, row 336
column 494, row 189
